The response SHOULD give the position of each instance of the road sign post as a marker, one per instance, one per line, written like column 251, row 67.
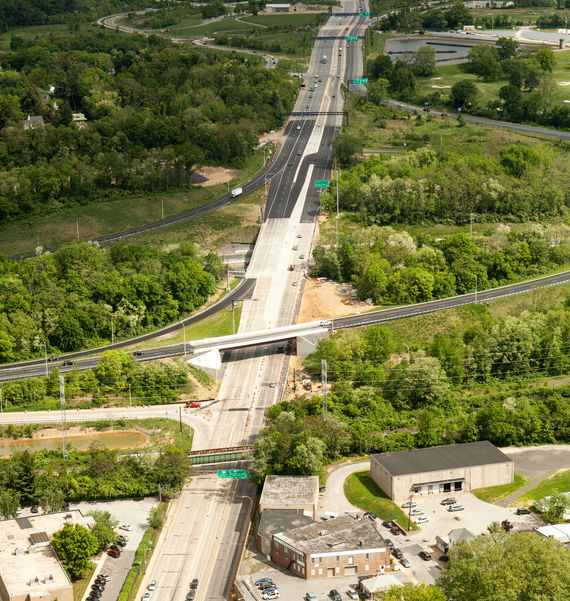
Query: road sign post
column 321, row 183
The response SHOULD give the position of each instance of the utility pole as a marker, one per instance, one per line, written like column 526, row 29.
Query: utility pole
column 45, row 355
column 294, row 380
column 63, row 418
column 325, row 383
column 180, row 416
column 112, row 330
column 475, row 286
column 336, row 220
column 1, row 408
column 77, row 228
column 408, row 350
column 233, row 318
column 471, row 225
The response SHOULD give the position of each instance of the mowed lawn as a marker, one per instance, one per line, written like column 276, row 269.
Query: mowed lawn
column 448, row 75
column 492, row 494
column 362, row 491
column 554, row 485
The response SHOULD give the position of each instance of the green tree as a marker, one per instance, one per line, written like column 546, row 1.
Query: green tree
column 517, row 158
column 463, row 94
column 23, row 476
column 506, row 47
column 104, row 529
column 346, row 149
column 75, row 545
column 171, row 470
column 489, row 567
column 114, row 369
column 423, row 61
column 402, row 78
column 553, row 508
column 9, row 504
column 512, row 100
column 413, row 592
column 457, row 16
column 52, row 499
column 546, row 59
column 155, row 519
column 483, row 61
column 377, row 91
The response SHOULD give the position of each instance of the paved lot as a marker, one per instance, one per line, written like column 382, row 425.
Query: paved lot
column 536, row 461
column 130, row 511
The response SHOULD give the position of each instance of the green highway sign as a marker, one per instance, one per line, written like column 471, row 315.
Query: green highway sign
column 366, row 14
column 362, row 80
column 352, row 38
column 321, row 183
column 235, row 474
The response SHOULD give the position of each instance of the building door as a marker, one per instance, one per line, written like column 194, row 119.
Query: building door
column 350, row 570
column 447, row 487
column 458, row 485
column 330, row 572
column 424, row 490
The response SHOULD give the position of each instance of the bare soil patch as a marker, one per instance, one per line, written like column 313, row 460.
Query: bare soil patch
column 211, row 176
column 323, row 299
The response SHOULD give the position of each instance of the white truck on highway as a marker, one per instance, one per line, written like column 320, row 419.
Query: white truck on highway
column 237, row 192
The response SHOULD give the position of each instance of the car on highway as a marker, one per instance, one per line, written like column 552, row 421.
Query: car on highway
column 68, row 363
column 194, row 583
column 416, row 512
column 301, row 256
column 448, row 501
column 299, row 153
column 289, row 164
column 455, row 508
column 299, row 235
column 425, row 555
column 422, row 519
column 335, row 595
column 352, row 594
column 405, row 562
column 295, row 283
column 126, row 527
column 272, row 385
column 298, row 126
column 54, row 358
column 113, row 553
column 193, row 405
column 138, row 353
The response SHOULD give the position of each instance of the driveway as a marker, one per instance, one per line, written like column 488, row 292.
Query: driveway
column 333, row 499
column 130, row 511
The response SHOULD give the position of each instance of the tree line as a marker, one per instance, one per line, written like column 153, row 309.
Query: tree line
column 153, row 109
column 81, row 295
column 385, row 398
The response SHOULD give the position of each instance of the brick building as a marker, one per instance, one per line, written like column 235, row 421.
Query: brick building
column 342, row 546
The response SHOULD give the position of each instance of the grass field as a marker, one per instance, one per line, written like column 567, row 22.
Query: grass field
column 30, row 31
column 526, row 16
column 107, row 217
column 227, row 25
column 554, row 485
column 493, row 494
column 80, row 586
column 362, row 491
column 301, row 20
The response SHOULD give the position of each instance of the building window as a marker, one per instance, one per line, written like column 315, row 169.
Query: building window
column 312, row 572
column 338, row 558
column 313, row 561
column 367, row 567
column 350, row 559
column 367, row 556
column 320, row 571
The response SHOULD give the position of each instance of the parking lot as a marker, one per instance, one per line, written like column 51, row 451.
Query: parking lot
column 130, row 511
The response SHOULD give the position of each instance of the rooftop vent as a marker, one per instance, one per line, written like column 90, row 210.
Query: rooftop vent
column 360, row 543
column 48, row 578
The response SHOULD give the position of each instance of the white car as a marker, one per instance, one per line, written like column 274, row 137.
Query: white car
column 152, row 585
column 408, row 504
column 416, row 512
column 422, row 520
column 146, row 597
column 455, row 508
column 298, row 127
column 270, row 595
column 352, row 594
column 126, row 527
column 311, row 597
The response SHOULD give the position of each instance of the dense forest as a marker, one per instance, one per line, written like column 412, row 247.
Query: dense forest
column 452, row 389
column 153, row 110
column 78, row 296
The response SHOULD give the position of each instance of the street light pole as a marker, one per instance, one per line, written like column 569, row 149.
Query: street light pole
column 184, row 333
column 475, row 286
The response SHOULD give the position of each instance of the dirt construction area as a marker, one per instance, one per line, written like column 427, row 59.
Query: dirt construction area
column 323, row 299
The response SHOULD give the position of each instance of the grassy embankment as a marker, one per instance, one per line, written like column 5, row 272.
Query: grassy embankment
column 80, row 585
column 128, row 211
column 362, row 491
column 556, row 484
column 492, row 494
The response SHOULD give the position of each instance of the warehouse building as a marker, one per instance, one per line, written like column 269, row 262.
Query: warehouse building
column 441, row 470
column 343, row 546
column 291, row 492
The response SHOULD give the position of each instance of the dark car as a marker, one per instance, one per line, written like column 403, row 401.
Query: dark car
column 262, row 580
column 121, row 543
column 424, row 555
column 369, row 515
column 194, row 584
column 335, row 595
column 395, row 529
column 100, row 581
column 97, row 587
column 448, row 501
column 389, row 543
column 34, row 509
column 266, row 585
column 138, row 353
column 387, row 524
column 523, row 511
column 91, row 598
column 191, row 595
column 96, row 594
column 113, row 553
column 68, row 363
column 397, row 553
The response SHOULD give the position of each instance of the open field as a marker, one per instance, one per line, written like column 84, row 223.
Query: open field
column 30, row 32
column 493, row 494
column 300, row 20
column 558, row 483
column 106, row 217
column 362, row 491
column 525, row 16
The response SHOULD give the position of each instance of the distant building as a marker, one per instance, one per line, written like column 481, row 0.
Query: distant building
column 343, row 546
column 33, row 122
column 275, row 521
column 559, row 532
column 457, row 535
column 277, row 8
column 469, row 28
column 29, row 567
column 442, row 469
column 291, row 492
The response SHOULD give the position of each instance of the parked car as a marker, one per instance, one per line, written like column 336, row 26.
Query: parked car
column 335, row 595
column 270, row 595
column 455, row 508
column 34, row 509
column 113, row 553
column 424, row 555
column 397, row 553
column 105, row 577
column 262, row 580
column 267, row 585
column 352, row 594
column 405, row 562
column 396, row 530
column 194, row 583
column 448, row 501
column 121, row 543
column 416, row 511
column 117, row 548
column 422, row 519
column 127, row 527
column 269, row 590
column 387, row 524
column 408, row 504
column 523, row 511
column 369, row 515
column 95, row 594
column 191, row 595
column 390, row 543
column 152, row 585
column 311, row 597
column 123, row 537
column 97, row 587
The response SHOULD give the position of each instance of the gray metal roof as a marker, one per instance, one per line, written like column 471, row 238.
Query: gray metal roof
column 433, row 459
column 274, row 521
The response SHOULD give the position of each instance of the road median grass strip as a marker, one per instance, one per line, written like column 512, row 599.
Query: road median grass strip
column 362, row 491
column 492, row 494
